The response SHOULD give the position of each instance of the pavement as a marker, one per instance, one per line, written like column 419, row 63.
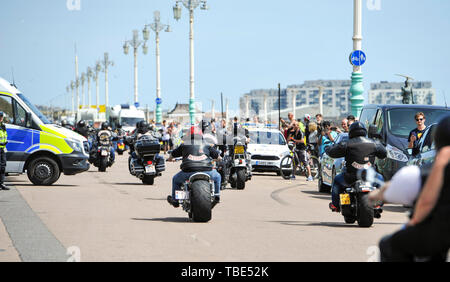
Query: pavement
column 112, row 216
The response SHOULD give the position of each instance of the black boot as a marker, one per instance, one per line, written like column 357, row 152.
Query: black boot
column 173, row 202
column 3, row 187
column 215, row 201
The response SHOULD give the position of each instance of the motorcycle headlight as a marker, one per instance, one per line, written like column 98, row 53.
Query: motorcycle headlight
column 395, row 154
column 75, row 145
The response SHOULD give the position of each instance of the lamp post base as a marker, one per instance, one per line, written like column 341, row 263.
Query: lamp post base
column 357, row 90
column 192, row 111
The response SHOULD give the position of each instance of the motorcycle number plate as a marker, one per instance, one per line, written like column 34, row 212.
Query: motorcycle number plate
column 104, row 153
column 239, row 150
column 181, row 195
column 345, row 199
column 150, row 169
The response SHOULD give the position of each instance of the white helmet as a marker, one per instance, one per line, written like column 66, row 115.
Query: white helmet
column 307, row 117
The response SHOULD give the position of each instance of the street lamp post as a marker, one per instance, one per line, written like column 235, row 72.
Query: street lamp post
column 77, row 85
column 98, row 69
column 191, row 5
column 72, row 87
column 83, row 79
column 135, row 43
column 106, row 63
column 157, row 27
column 89, row 74
column 357, row 88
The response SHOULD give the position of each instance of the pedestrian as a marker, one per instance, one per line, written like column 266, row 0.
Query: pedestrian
column 319, row 120
column 313, row 138
column 344, row 124
column 417, row 133
column 328, row 136
column 165, row 137
column 3, row 142
column 350, row 119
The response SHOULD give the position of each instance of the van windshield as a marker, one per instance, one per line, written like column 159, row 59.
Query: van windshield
column 401, row 121
column 129, row 121
column 34, row 109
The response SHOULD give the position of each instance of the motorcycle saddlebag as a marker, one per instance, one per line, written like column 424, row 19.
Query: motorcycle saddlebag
column 148, row 146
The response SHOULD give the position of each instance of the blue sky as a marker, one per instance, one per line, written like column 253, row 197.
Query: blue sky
column 239, row 46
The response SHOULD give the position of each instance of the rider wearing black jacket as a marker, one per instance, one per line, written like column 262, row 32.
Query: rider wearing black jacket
column 359, row 151
column 197, row 157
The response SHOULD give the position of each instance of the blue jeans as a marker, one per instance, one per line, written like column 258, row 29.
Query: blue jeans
column 179, row 179
column 339, row 185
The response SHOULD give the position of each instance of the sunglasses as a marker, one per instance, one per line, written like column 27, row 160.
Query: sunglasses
column 419, row 119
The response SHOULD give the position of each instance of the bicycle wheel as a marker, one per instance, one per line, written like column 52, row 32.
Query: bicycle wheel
column 287, row 167
column 314, row 164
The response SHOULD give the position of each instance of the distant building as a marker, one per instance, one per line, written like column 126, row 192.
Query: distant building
column 336, row 99
column 181, row 114
column 390, row 93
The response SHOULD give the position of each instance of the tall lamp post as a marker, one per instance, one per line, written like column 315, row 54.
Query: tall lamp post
column 77, row 85
column 98, row 69
column 83, row 79
column 357, row 88
column 106, row 63
column 157, row 27
column 89, row 74
column 135, row 43
column 72, row 87
column 191, row 5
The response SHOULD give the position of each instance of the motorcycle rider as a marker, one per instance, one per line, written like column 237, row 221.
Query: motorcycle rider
column 208, row 135
column 82, row 128
column 359, row 151
column 143, row 128
column 197, row 157
column 105, row 129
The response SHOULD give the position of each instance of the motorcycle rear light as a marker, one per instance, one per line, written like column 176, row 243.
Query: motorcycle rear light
column 240, row 161
column 149, row 162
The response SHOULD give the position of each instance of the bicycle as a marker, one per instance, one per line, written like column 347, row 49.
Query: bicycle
column 290, row 164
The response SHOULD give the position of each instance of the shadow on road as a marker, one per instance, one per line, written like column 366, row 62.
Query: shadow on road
column 329, row 224
column 318, row 195
column 166, row 219
column 400, row 209
column 43, row 186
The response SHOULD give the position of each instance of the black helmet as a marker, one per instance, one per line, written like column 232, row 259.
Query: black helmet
column 357, row 129
column 442, row 133
column 142, row 126
column 105, row 125
column 205, row 125
column 81, row 123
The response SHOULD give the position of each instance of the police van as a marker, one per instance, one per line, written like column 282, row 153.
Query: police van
column 35, row 146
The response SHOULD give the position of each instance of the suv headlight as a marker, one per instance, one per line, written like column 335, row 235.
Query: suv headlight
column 77, row 146
column 395, row 154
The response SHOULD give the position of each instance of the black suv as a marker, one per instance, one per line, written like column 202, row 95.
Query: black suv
column 391, row 124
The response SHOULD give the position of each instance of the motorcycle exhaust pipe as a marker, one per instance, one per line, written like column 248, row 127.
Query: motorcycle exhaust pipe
column 141, row 176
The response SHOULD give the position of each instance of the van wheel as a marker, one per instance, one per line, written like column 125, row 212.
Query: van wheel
column 43, row 171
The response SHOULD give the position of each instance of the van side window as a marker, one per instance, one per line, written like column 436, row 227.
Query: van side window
column 368, row 117
column 379, row 121
column 20, row 116
column 6, row 108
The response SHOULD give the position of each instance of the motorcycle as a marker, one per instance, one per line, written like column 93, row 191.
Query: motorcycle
column 143, row 162
column 120, row 146
column 197, row 197
column 102, row 157
column 354, row 202
column 240, row 166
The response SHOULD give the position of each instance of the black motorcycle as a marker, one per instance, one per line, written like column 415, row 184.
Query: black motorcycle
column 101, row 155
column 143, row 162
column 239, row 164
column 354, row 202
column 197, row 197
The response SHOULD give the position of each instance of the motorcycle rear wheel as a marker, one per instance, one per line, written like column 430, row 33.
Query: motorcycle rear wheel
column 365, row 212
column 201, row 207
